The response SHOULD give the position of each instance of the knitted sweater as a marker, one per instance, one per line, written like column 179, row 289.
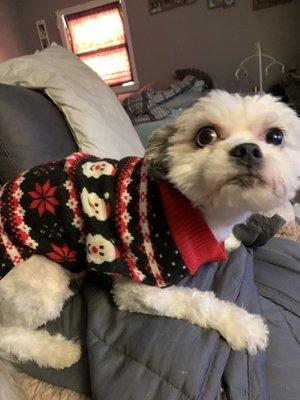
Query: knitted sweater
column 106, row 216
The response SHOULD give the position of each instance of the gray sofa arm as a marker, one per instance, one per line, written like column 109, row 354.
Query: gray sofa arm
column 32, row 131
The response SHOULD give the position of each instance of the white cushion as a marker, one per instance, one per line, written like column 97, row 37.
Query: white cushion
column 97, row 120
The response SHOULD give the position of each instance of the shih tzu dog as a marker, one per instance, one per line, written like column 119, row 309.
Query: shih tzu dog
column 146, row 222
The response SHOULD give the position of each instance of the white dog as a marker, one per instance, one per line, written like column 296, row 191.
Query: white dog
column 230, row 156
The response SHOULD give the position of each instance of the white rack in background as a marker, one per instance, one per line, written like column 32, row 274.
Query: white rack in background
column 261, row 57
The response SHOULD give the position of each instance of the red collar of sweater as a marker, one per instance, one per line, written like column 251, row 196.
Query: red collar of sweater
column 193, row 237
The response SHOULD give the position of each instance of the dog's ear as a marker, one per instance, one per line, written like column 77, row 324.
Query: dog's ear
column 156, row 153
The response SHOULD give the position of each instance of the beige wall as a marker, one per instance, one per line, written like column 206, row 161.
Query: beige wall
column 10, row 35
column 214, row 40
column 191, row 36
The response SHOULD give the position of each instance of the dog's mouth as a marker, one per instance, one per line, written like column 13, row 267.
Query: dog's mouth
column 247, row 180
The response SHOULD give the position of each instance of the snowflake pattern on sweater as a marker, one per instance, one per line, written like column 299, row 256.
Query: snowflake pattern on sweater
column 89, row 213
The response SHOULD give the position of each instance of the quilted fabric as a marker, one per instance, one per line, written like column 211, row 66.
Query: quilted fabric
column 135, row 356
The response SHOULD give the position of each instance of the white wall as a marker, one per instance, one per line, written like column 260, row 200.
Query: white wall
column 213, row 40
column 10, row 36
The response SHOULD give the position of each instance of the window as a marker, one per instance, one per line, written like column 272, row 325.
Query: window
column 97, row 32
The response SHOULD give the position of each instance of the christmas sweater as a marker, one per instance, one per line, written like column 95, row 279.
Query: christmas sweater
column 106, row 216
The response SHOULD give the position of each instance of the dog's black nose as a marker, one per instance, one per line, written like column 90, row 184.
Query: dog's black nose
column 248, row 154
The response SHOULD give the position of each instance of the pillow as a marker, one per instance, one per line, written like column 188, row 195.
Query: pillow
column 95, row 116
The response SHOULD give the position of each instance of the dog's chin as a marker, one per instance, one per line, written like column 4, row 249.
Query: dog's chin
column 245, row 181
column 251, row 193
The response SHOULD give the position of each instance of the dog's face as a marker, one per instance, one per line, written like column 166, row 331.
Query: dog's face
column 231, row 152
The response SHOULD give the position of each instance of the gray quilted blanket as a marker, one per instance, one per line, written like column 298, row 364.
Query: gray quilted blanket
column 139, row 357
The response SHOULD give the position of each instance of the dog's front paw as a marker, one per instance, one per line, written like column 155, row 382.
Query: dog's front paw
column 232, row 243
column 59, row 354
column 134, row 297
column 245, row 331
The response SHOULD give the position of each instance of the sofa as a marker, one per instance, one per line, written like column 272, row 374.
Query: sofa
column 134, row 356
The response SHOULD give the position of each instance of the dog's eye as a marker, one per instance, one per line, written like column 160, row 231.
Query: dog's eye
column 206, row 136
column 274, row 136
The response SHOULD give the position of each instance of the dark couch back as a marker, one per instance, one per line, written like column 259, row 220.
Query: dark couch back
column 32, row 131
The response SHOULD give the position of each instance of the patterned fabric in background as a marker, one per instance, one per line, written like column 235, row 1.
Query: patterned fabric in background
column 145, row 106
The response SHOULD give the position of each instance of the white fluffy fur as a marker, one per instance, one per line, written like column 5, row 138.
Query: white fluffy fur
column 8, row 385
column 34, row 292
column 241, row 329
column 31, row 295
column 204, row 175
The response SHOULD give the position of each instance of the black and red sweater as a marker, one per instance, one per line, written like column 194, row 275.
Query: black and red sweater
column 106, row 216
